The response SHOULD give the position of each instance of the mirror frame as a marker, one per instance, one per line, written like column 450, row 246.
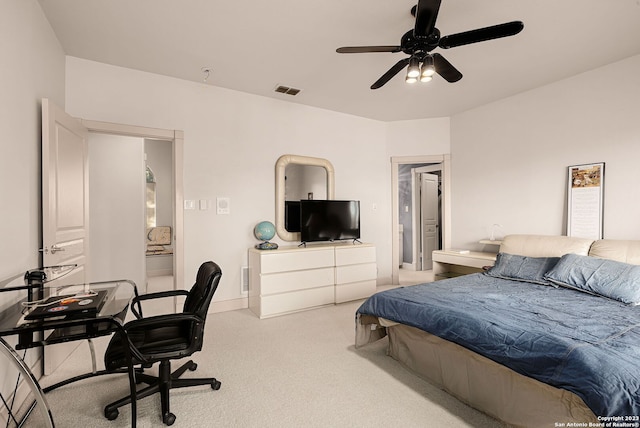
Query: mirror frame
column 281, row 166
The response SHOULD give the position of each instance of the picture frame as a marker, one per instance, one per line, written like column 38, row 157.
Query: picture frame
column 585, row 200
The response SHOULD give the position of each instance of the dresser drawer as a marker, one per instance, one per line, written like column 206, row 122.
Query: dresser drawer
column 355, row 254
column 296, row 260
column 354, row 273
column 355, row 291
column 295, row 301
column 274, row 283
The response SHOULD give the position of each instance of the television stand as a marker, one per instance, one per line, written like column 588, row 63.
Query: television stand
column 295, row 278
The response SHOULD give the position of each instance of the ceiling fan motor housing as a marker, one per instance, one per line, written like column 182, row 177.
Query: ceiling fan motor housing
column 412, row 44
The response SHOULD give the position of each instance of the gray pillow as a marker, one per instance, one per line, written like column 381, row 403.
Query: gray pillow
column 522, row 268
column 608, row 278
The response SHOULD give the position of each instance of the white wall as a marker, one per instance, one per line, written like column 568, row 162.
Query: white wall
column 117, row 208
column 232, row 141
column 510, row 158
column 418, row 137
column 33, row 67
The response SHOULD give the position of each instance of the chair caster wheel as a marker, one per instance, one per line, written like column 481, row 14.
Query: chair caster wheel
column 169, row 419
column 111, row 415
column 193, row 367
column 215, row 385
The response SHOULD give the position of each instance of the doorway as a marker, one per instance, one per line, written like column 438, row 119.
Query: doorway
column 158, row 208
column 175, row 141
column 401, row 191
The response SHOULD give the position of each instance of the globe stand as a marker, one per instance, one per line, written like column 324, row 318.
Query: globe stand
column 266, row 245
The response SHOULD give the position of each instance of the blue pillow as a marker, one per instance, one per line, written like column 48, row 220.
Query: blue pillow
column 608, row 278
column 522, row 268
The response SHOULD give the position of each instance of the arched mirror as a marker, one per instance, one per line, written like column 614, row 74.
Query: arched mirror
column 299, row 177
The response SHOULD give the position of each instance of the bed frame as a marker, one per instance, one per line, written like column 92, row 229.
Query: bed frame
column 480, row 382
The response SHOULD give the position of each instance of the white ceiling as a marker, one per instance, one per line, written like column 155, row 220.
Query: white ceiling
column 253, row 46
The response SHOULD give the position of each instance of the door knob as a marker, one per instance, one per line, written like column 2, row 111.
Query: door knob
column 55, row 249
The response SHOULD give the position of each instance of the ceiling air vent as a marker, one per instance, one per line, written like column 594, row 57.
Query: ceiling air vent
column 287, row 90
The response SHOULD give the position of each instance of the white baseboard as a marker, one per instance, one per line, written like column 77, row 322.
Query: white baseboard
column 229, row 305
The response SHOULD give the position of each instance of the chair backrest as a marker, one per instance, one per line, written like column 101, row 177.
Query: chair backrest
column 201, row 293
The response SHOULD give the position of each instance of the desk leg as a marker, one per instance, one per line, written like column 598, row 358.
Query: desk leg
column 93, row 356
column 31, row 381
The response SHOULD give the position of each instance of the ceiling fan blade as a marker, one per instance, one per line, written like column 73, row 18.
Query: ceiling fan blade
column 426, row 14
column 445, row 69
column 365, row 49
column 481, row 34
column 389, row 74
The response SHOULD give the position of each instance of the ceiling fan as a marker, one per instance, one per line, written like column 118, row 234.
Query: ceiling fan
column 425, row 37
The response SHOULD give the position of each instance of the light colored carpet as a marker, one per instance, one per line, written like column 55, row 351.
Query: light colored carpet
column 298, row 370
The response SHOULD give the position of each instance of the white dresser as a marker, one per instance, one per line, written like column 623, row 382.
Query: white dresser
column 292, row 279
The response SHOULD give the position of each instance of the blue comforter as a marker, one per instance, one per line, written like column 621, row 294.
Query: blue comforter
column 586, row 344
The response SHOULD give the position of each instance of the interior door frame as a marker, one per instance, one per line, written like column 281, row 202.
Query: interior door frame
column 176, row 137
column 445, row 225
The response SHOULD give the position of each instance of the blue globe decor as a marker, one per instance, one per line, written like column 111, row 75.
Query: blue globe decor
column 264, row 231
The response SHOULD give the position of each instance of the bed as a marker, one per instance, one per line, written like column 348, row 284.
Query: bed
column 548, row 336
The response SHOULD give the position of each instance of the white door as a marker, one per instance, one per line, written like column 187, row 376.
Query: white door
column 429, row 218
column 65, row 204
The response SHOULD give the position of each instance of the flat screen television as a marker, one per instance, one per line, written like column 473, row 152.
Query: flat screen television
column 329, row 220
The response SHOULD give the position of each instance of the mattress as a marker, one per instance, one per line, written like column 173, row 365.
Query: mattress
column 572, row 341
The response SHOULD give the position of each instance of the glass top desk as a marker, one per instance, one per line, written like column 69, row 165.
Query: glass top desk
column 64, row 328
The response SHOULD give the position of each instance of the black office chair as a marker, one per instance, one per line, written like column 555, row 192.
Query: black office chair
column 164, row 338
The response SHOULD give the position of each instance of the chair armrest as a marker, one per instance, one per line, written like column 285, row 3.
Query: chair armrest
column 149, row 296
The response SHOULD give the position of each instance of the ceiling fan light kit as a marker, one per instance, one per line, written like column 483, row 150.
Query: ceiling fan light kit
column 414, row 67
column 424, row 38
column 427, row 69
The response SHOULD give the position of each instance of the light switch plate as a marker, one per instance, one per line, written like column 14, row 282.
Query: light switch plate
column 189, row 204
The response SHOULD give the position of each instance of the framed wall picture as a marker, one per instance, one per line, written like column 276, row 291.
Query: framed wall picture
column 585, row 201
